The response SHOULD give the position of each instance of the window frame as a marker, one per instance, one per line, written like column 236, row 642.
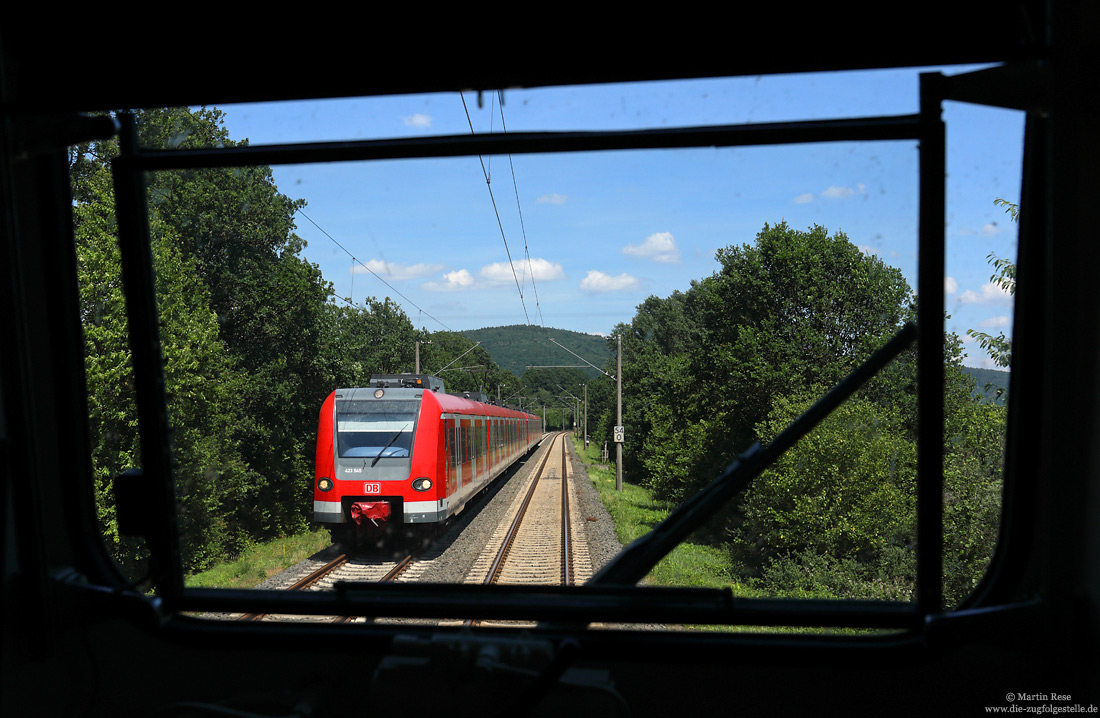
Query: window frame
column 602, row 603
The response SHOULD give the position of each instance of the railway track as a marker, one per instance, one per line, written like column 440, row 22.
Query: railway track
column 540, row 540
column 341, row 568
column 540, row 543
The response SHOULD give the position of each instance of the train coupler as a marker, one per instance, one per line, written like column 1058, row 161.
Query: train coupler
column 374, row 511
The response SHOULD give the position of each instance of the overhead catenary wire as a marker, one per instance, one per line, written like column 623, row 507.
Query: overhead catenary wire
column 522, row 227
column 376, row 275
column 519, row 209
column 496, row 211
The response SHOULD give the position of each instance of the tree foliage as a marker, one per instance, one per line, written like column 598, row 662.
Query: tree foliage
column 999, row 347
column 251, row 340
column 201, row 379
column 516, row 347
column 702, row 367
column 740, row 354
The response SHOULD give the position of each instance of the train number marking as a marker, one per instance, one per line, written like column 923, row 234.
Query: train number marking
column 372, row 488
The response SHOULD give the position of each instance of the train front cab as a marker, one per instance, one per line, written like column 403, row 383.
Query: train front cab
column 392, row 457
column 376, row 461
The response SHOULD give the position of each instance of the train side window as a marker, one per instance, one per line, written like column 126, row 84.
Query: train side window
column 880, row 234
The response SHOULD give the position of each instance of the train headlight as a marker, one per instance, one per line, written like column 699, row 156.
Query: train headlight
column 324, row 484
column 422, row 484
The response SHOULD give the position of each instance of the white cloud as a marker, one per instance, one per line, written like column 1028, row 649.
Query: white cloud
column 832, row 192
column 836, row 192
column 950, row 286
column 868, row 250
column 552, row 198
column 989, row 294
column 452, row 281
column 501, row 272
column 1000, row 322
column 598, row 282
column 419, row 120
column 659, row 247
column 397, row 272
column 987, row 230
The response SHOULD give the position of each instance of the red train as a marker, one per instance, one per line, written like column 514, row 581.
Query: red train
column 401, row 452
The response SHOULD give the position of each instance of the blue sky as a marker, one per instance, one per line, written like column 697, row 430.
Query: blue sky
column 601, row 232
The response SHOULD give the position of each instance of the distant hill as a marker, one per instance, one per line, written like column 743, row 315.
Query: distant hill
column 518, row 346
column 996, row 378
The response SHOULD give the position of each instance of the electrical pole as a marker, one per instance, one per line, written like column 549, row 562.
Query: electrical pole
column 619, row 413
column 418, row 342
column 586, row 417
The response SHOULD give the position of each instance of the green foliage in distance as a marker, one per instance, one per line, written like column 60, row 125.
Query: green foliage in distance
column 518, row 346
column 252, row 342
column 465, row 366
column 846, row 490
column 740, row 354
column 200, row 378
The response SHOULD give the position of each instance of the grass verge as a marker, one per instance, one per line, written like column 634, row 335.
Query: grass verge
column 261, row 561
column 636, row 511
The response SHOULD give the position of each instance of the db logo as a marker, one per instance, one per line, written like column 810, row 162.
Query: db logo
column 372, row 488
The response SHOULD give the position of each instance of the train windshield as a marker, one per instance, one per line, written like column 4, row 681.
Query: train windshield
column 375, row 429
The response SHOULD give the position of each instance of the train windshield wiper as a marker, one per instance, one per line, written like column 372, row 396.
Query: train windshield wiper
column 388, row 445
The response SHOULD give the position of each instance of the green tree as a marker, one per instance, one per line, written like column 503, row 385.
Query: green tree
column 200, row 380
column 795, row 309
column 224, row 242
column 999, row 347
column 846, row 490
column 973, row 483
column 360, row 340
column 659, row 391
column 835, row 515
column 270, row 305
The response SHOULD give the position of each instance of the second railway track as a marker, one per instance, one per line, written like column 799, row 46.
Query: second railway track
column 539, row 543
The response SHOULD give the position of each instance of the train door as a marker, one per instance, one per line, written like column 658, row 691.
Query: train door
column 479, row 448
column 496, row 442
column 451, row 449
column 466, row 451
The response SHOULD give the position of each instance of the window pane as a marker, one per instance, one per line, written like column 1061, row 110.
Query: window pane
column 744, row 283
